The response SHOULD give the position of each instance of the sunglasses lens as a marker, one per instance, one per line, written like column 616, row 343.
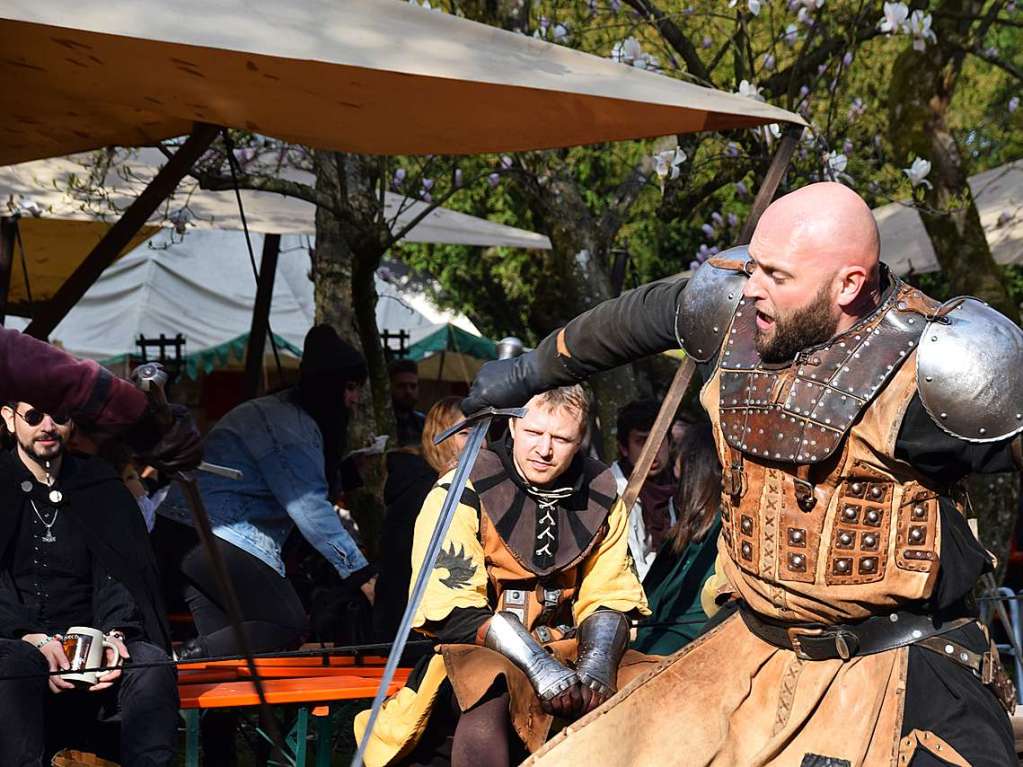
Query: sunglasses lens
column 34, row 417
column 61, row 419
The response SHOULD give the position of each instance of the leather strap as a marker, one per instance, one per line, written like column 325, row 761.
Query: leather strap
column 843, row 641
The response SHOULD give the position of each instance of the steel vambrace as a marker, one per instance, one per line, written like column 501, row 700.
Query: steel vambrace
column 602, row 640
column 509, row 637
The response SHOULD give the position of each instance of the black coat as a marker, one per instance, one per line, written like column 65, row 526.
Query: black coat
column 107, row 517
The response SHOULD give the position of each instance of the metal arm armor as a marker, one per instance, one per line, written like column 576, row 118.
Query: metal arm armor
column 602, row 640
column 969, row 371
column 708, row 303
column 509, row 637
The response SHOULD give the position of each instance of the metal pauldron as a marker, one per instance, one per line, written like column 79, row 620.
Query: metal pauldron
column 602, row 640
column 968, row 371
column 509, row 637
column 708, row 302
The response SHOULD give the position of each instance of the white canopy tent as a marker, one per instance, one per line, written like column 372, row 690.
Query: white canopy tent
column 998, row 193
column 203, row 287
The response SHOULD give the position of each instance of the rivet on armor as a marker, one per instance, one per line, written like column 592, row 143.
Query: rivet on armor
column 934, row 338
column 912, row 322
column 842, row 565
column 983, row 430
column 717, row 329
column 902, row 306
column 868, row 565
column 876, row 492
column 873, row 517
column 869, row 541
column 917, row 534
column 796, row 535
column 964, row 657
column 845, row 539
column 797, row 561
column 857, row 487
column 919, row 512
column 929, row 378
column 849, row 513
column 949, row 649
column 747, row 550
column 944, row 415
column 894, row 617
column 917, row 633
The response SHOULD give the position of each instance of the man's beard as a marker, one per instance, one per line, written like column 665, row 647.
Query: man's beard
column 42, row 457
column 813, row 324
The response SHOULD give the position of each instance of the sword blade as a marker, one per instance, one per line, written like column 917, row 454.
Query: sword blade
column 447, row 512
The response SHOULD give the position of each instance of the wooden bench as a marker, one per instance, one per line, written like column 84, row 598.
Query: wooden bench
column 313, row 684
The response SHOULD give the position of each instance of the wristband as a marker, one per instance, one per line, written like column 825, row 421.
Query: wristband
column 46, row 640
column 117, row 635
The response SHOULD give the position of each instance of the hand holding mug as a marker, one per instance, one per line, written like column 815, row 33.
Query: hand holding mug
column 88, row 648
column 114, row 654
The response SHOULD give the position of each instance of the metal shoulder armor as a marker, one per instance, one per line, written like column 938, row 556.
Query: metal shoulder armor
column 708, row 302
column 969, row 371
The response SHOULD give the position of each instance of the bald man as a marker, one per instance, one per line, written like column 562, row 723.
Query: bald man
column 847, row 408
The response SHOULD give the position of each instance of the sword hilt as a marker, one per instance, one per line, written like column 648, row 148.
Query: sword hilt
column 479, row 415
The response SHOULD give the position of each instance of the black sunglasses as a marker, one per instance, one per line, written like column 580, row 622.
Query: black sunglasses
column 35, row 417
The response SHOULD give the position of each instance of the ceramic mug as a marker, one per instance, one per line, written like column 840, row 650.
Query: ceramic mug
column 84, row 647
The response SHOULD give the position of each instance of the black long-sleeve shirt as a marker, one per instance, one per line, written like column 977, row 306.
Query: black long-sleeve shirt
column 48, row 586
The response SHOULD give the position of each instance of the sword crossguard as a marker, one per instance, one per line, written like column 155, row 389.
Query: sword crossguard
column 487, row 412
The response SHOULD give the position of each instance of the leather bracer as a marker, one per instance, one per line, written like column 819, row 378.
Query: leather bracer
column 509, row 637
column 602, row 641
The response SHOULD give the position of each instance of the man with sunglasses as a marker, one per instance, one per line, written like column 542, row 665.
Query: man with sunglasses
column 74, row 551
column 847, row 408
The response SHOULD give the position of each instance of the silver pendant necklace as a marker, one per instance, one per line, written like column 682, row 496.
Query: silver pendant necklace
column 49, row 537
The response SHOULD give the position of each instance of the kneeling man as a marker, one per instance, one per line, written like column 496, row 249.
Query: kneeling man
column 530, row 600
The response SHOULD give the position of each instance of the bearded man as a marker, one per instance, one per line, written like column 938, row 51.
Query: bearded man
column 847, row 406
column 529, row 600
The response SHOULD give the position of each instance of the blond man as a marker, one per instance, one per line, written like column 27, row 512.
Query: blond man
column 529, row 600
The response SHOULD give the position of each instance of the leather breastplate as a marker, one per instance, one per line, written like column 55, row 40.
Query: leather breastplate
column 800, row 412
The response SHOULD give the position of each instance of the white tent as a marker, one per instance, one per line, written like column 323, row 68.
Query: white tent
column 203, row 287
column 998, row 193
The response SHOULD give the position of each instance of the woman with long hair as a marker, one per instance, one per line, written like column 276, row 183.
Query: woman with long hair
column 686, row 559
column 410, row 477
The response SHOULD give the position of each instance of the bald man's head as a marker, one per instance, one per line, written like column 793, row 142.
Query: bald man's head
column 816, row 254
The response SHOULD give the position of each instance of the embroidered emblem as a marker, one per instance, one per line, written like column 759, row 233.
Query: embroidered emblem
column 460, row 568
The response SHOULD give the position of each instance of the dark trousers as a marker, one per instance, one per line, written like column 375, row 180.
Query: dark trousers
column 272, row 614
column 37, row 723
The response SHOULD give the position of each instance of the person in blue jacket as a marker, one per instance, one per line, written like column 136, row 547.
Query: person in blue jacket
column 288, row 447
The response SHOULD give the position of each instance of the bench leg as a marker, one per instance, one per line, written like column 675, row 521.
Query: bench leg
column 191, row 717
column 324, row 724
column 298, row 737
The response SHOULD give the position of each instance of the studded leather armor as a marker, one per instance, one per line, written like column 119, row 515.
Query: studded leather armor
column 820, row 521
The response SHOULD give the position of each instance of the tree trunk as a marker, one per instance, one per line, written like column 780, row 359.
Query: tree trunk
column 348, row 251
column 923, row 83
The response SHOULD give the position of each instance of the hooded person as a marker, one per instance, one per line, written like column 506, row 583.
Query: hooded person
column 288, row 446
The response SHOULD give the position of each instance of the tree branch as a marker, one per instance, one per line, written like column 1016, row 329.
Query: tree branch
column 671, row 32
column 1007, row 66
column 624, row 196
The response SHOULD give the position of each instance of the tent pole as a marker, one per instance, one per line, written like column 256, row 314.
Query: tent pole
column 261, row 315
column 8, row 235
column 122, row 232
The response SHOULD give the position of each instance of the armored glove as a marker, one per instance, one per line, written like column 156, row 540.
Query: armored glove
column 556, row 685
column 511, row 382
column 602, row 640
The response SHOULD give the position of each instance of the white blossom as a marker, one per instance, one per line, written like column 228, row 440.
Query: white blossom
column 754, row 7
column 920, row 28
column 917, row 172
column 666, row 163
column 29, row 206
column 629, row 51
column 837, row 162
column 769, row 61
column 750, row 90
column 494, row 179
column 791, row 35
column 895, row 18
column 1013, row 104
column 560, row 33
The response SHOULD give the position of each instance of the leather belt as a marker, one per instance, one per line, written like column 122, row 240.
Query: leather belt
column 879, row 633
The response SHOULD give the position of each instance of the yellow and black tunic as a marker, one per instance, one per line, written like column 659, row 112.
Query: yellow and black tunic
column 551, row 558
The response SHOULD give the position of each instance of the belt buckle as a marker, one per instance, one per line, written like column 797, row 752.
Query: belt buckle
column 804, row 495
column 735, row 480
column 794, row 632
column 842, row 647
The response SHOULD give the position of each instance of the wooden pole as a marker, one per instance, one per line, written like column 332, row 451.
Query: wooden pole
column 684, row 374
column 123, row 230
column 8, row 236
column 261, row 315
